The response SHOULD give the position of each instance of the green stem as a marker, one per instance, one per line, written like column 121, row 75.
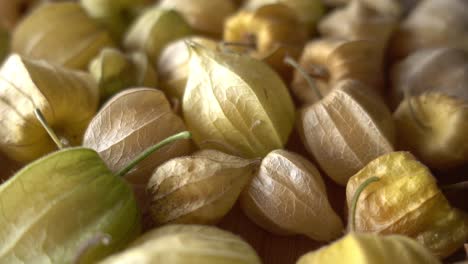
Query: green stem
column 145, row 154
column 47, row 127
column 290, row 61
column 455, row 187
column 352, row 215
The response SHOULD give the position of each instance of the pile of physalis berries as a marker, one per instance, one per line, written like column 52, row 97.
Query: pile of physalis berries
column 132, row 130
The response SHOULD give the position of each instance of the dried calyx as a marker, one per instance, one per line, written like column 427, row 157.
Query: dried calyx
column 288, row 197
column 273, row 31
column 234, row 102
column 346, row 129
column 67, row 98
column 431, row 120
column 204, row 16
column 330, row 60
column 61, row 33
column 173, row 64
column 201, row 244
column 432, row 24
column 115, row 71
column 198, row 189
column 409, row 202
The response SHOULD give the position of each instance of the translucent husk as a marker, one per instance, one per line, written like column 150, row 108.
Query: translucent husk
column 432, row 24
column 330, row 60
column 357, row 248
column 442, row 70
column 348, row 128
column 205, row 16
column 61, row 33
column 173, row 64
column 236, row 104
column 433, row 126
column 55, row 205
column 288, row 196
column 180, row 244
column 198, row 189
column 154, row 29
column 358, row 21
column 130, row 122
column 68, row 99
column 407, row 201
column 308, row 11
column 273, row 31
column 115, row 71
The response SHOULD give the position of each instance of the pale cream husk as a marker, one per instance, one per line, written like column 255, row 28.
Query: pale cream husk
column 181, row 244
column 68, row 100
column 236, row 104
column 348, row 128
column 198, row 189
column 288, row 196
column 131, row 122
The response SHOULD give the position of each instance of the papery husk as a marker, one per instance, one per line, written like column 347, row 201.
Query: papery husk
column 432, row 24
column 115, row 71
column 68, row 100
column 308, row 11
column 131, row 122
column 395, row 8
column 236, row 104
column 198, row 189
column 61, row 33
column 407, row 201
column 358, row 21
column 181, row 244
column 433, row 126
column 348, row 128
column 443, row 70
column 173, row 64
column 330, row 60
column 154, row 29
column 274, row 31
column 56, row 205
column 205, row 16
column 288, row 196
column 358, row 248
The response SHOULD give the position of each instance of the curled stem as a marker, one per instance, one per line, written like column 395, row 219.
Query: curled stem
column 145, row 154
column 352, row 214
column 47, row 127
column 455, row 187
column 290, row 61
column 99, row 239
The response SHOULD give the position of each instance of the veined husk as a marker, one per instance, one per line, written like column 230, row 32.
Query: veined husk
column 308, row 11
column 358, row 21
column 358, row 248
column 205, row 16
column 173, row 64
column 273, row 30
column 115, row 71
column 288, row 196
column 433, row 126
column 348, row 128
column 131, row 122
column 154, row 29
column 61, row 33
column 198, row 189
column 330, row 60
column 407, row 201
column 53, row 207
column 181, row 244
column 236, row 104
column 68, row 99
column 432, row 24
column 442, row 70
